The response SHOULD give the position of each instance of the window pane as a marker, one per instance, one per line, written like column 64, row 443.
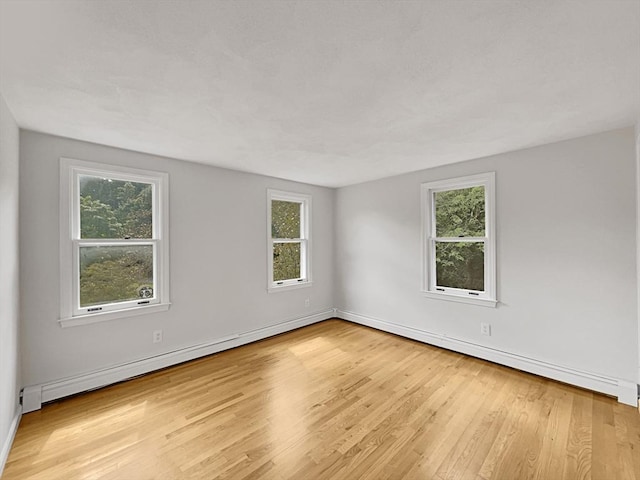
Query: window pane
column 285, row 219
column 115, row 208
column 115, row 274
column 460, row 265
column 460, row 213
column 286, row 261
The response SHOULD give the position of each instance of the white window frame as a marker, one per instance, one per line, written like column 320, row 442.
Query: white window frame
column 304, row 240
column 71, row 314
column 487, row 297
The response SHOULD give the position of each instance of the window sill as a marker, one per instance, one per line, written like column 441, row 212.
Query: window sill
column 113, row 315
column 485, row 302
column 290, row 286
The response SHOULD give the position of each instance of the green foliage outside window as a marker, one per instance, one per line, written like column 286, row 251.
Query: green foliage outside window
column 460, row 213
column 285, row 224
column 115, row 209
column 115, row 274
column 286, row 261
column 460, row 265
column 285, row 219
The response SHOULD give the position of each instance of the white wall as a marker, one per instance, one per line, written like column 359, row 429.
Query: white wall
column 566, row 249
column 9, row 299
column 218, row 262
column 637, row 233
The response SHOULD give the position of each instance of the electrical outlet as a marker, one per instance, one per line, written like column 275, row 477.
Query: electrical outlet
column 307, row 302
column 157, row 336
column 485, row 329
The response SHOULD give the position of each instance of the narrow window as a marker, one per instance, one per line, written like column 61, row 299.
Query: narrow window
column 459, row 239
column 288, row 219
column 114, row 251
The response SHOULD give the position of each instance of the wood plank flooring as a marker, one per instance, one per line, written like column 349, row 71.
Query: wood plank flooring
column 331, row 401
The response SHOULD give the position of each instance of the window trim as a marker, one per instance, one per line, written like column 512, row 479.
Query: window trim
column 305, row 241
column 71, row 314
column 488, row 298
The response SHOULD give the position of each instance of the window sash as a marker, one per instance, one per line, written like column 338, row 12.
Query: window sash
column 106, row 307
column 433, row 277
column 301, row 213
column 303, row 264
column 94, row 172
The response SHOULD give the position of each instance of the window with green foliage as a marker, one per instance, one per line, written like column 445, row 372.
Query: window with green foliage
column 115, row 210
column 117, row 251
column 459, row 238
column 288, row 220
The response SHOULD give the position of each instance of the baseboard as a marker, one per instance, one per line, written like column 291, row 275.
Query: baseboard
column 6, row 446
column 35, row 395
column 626, row 392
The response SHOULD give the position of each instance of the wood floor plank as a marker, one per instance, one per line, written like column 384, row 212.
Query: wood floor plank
column 552, row 457
column 331, row 401
column 627, row 436
column 579, row 449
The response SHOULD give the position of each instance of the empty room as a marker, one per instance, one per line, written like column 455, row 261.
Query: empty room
column 319, row 239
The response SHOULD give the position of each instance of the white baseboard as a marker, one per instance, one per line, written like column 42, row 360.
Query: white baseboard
column 6, row 446
column 35, row 395
column 626, row 392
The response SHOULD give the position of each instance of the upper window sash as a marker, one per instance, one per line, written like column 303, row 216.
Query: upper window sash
column 487, row 296
column 303, row 201
column 151, row 178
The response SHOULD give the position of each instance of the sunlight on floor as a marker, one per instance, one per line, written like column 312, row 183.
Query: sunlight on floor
column 123, row 417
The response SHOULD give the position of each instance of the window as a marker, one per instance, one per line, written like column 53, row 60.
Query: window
column 114, row 242
column 459, row 239
column 289, row 228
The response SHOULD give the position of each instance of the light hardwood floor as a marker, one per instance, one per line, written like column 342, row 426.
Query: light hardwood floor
column 331, row 401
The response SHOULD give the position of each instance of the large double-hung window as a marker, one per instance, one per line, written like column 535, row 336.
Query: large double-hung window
column 459, row 239
column 114, row 242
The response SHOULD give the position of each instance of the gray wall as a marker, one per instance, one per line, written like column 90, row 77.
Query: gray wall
column 218, row 262
column 566, row 250
column 637, row 133
column 9, row 298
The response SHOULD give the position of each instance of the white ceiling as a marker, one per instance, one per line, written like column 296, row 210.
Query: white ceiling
column 325, row 92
